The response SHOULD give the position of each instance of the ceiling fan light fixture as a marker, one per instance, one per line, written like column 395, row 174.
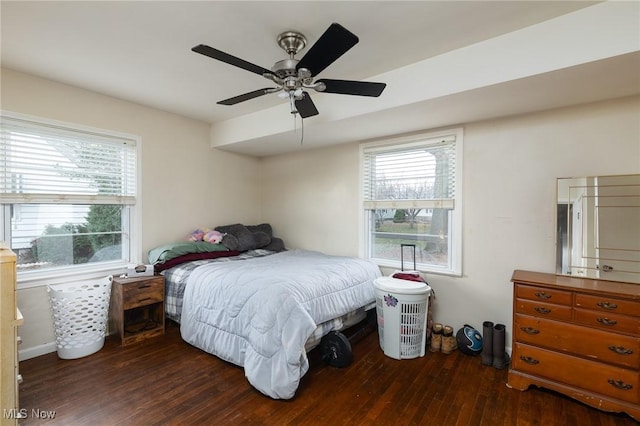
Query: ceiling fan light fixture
column 296, row 94
column 292, row 103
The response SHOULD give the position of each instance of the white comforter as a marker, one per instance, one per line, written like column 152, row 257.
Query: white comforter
column 259, row 313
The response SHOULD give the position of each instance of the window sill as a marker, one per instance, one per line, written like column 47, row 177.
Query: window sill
column 395, row 266
column 31, row 279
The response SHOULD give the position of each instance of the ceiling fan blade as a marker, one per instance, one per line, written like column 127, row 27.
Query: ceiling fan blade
column 350, row 87
column 335, row 41
column 246, row 96
column 306, row 107
column 203, row 49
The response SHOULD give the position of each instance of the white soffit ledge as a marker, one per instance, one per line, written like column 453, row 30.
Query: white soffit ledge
column 591, row 34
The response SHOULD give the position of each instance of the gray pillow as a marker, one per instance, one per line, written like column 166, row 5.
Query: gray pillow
column 244, row 236
column 277, row 244
column 263, row 227
column 230, row 242
column 261, row 239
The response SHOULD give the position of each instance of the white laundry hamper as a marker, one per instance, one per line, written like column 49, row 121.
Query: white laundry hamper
column 80, row 313
column 402, row 307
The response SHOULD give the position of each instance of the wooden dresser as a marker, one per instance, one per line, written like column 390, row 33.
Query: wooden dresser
column 10, row 319
column 577, row 336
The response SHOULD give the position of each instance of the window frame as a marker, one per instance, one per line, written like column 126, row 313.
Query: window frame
column 455, row 222
column 133, row 213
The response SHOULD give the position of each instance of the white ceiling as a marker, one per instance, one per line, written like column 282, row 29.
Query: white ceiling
column 140, row 51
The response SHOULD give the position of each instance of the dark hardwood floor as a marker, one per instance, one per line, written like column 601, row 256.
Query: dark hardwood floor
column 166, row 381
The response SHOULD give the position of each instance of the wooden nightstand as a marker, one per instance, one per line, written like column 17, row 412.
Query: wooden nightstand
column 137, row 308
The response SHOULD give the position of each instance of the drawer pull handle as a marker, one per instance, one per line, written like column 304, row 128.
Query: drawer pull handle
column 620, row 384
column 143, row 299
column 541, row 310
column 606, row 321
column 529, row 360
column 620, row 350
column 607, row 305
column 530, row 330
column 144, row 286
column 542, row 295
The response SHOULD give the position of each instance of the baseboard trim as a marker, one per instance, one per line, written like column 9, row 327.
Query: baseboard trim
column 28, row 353
column 35, row 351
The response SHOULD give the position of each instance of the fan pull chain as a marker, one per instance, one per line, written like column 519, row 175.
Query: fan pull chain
column 295, row 123
column 295, row 127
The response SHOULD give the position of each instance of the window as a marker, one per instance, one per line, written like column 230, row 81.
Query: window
column 67, row 196
column 411, row 194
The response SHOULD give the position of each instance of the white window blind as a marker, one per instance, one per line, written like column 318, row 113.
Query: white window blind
column 417, row 175
column 48, row 163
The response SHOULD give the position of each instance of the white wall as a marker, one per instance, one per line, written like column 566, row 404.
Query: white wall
column 311, row 197
column 185, row 183
column 510, row 171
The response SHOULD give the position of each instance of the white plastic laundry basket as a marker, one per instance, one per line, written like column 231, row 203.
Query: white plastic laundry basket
column 402, row 306
column 80, row 313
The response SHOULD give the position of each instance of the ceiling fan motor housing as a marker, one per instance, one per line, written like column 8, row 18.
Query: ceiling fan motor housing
column 285, row 68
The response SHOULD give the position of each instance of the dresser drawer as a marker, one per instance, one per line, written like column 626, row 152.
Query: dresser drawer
column 582, row 341
column 548, row 310
column 541, row 294
column 142, row 293
column 608, row 304
column 607, row 321
column 616, row 382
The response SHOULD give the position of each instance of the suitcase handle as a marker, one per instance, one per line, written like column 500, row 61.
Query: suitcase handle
column 413, row 247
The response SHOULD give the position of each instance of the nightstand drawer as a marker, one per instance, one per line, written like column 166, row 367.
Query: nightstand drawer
column 557, row 297
column 142, row 293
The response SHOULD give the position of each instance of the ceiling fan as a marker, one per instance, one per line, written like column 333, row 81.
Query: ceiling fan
column 292, row 76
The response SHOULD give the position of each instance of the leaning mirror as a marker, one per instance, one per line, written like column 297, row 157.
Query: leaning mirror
column 598, row 227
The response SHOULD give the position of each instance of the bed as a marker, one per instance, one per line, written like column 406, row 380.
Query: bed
column 264, row 310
